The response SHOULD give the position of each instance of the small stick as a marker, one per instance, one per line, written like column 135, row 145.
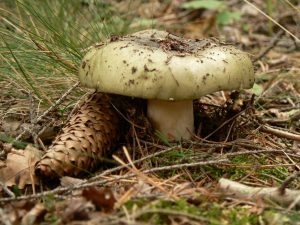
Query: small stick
column 242, row 191
column 226, row 122
column 280, row 133
column 170, row 212
column 115, row 169
column 107, row 181
column 59, row 101
column 272, row 44
column 271, row 19
column 295, row 116
column 157, row 169
column 4, row 218
column 186, row 165
column 7, row 191
column 140, row 174
column 253, row 166
column 287, row 181
column 32, row 108
column 109, row 171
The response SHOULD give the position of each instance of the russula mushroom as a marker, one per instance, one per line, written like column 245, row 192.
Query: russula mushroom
column 169, row 71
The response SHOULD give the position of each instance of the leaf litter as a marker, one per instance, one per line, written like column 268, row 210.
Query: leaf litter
column 152, row 189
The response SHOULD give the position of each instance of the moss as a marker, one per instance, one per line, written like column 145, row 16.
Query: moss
column 15, row 143
column 278, row 218
column 278, row 173
column 208, row 213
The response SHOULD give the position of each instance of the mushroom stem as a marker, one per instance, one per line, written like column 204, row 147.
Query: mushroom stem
column 175, row 119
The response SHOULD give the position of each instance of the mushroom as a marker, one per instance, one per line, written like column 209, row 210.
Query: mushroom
column 169, row 71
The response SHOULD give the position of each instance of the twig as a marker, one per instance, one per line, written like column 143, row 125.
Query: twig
column 169, row 212
column 109, row 171
column 6, row 190
column 59, row 101
column 102, row 182
column 32, row 108
column 280, row 133
column 226, row 122
column 287, row 182
column 186, row 165
column 292, row 160
column 107, row 181
column 253, row 166
column 252, row 152
column 271, row 19
column 271, row 45
column 4, row 218
column 141, row 175
column 295, row 116
column 242, row 191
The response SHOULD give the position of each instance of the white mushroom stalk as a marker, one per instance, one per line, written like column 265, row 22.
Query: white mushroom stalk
column 175, row 119
column 167, row 70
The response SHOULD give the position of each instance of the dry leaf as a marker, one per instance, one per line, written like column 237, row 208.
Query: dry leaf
column 75, row 209
column 19, row 168
column 186, row 188
column 102, row 198
column 11, row 127
column 70, row 181
column 14, row 128
column 34, row 215
column 2, row 164
column 142, row 188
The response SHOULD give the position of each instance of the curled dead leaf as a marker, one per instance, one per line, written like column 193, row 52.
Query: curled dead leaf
column 19, row 169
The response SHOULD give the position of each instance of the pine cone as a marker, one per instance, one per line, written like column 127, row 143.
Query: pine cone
column 89, row 135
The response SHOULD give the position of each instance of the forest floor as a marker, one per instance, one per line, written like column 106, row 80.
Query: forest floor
column 251, row 137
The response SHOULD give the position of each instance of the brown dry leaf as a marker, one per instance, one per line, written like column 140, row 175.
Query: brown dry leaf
column 137, row 190
column 282, row 115
column 33, row 216
column 70, row 181
column 151, row 9
column 7, row 147
column 75, row 209
column 19, row 168
column 14, row 128
column 2, row 164
column 15, row 211
column 11, row 127
column 142, row 188
column 202, row 26
column 102, row 198
column 186, row 188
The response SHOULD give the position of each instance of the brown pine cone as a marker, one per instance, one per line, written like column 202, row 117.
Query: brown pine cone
column 89, row 135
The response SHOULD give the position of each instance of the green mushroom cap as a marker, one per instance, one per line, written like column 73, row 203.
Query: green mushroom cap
column 154, row 64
